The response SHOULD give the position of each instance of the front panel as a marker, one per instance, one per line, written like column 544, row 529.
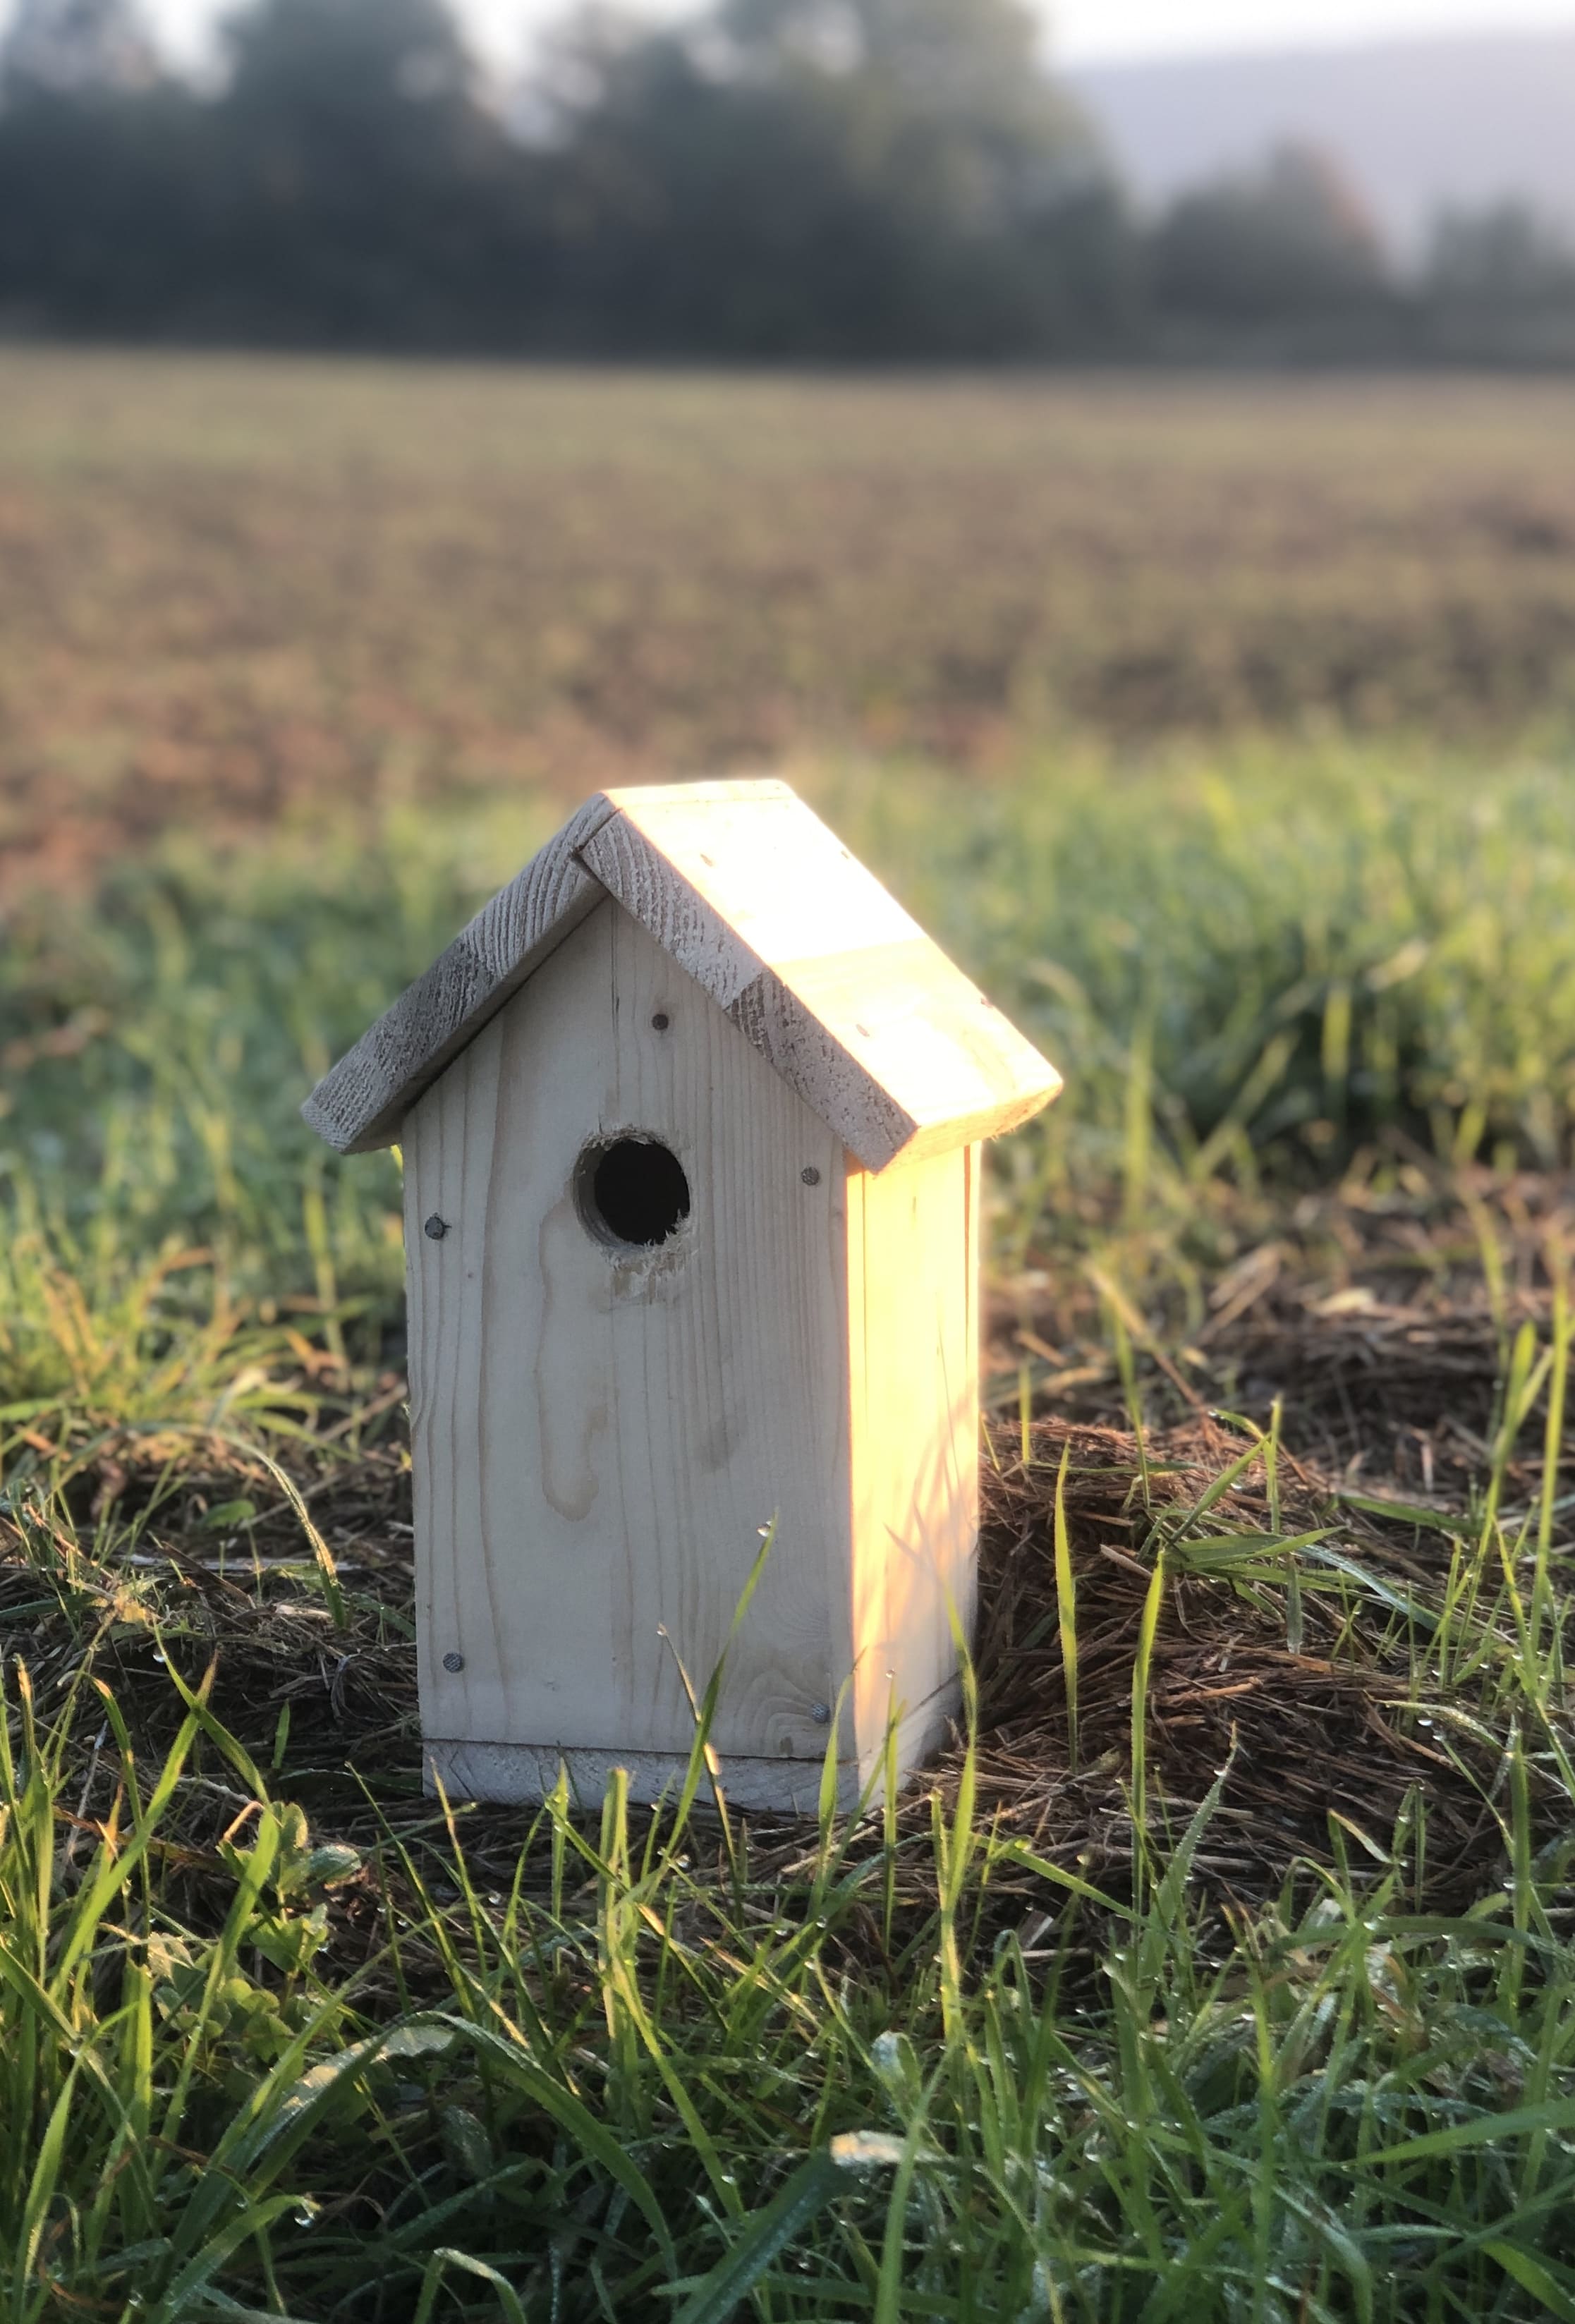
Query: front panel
column 604, row 1418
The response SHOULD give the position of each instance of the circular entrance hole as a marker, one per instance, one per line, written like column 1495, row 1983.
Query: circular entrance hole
column 631, row 1191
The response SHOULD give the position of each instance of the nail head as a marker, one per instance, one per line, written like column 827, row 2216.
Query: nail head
column 810, row 1176
column 452, row 1662
column 661, row 1020
column 436, row 1228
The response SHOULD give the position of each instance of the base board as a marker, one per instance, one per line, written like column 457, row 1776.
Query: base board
column 523, row 1774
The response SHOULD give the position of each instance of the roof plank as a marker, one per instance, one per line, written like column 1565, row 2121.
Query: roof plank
column 360, row 1102
column 745, row 889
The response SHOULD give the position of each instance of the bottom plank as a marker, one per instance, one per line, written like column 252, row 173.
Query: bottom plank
column 523, row 1774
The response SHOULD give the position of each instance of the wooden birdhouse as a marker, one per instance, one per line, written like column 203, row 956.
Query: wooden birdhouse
column 691, row 1116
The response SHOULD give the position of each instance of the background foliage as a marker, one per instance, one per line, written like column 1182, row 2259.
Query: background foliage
column 831, row 178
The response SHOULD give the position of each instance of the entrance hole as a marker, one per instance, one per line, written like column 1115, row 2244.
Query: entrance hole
column 631, row 1192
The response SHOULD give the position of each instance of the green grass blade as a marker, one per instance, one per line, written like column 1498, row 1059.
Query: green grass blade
column 768, row 2234
column 1066, row 1607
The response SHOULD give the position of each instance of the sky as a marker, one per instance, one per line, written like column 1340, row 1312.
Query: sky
column 1082, row 31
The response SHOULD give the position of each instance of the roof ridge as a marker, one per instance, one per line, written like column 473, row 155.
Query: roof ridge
column 793, row 938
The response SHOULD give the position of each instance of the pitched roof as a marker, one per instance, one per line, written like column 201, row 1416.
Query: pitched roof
column 747, row 890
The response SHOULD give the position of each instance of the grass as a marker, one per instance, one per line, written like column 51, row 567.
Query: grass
column 279, row 2037
column 1244, row 963
column 1221, row 1968
column 911, row 2067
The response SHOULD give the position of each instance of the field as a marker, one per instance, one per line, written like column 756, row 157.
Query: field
column 256, row 582
column 1222, row 1969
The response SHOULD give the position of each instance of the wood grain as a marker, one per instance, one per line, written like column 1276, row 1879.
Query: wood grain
column 913, row 1268
column 599, row 1435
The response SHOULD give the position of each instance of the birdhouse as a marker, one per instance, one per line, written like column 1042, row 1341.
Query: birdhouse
column 691, row 1117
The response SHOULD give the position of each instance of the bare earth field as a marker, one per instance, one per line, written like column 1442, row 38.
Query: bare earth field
column 227, row 586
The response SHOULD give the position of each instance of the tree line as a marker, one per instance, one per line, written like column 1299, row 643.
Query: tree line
column 876, row 181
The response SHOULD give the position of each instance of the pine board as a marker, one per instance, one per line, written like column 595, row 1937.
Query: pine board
column 598, row 1438
column 913, row 1272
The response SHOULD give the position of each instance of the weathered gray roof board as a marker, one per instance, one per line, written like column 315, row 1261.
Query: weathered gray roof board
column 801, row 947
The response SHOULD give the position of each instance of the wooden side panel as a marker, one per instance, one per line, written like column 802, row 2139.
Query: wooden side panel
column 913, row 1268
column 601, row 1433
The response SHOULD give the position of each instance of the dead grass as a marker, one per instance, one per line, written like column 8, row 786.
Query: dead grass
column 1322, row 1740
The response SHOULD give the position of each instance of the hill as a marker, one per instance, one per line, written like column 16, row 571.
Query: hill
column 1417, row 123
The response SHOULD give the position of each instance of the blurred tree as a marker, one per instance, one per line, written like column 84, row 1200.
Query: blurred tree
column 314, row 67
column 831, row 177
column 76, row 48
column 1503, row 256
column 100, row 224
column 1290, row 239
column 875, row 180
column 367, row 192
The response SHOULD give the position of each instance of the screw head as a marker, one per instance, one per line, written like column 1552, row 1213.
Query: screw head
column 810, row 1176
column 821, row 1714
column 452, row 1662
column 434, row 1228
